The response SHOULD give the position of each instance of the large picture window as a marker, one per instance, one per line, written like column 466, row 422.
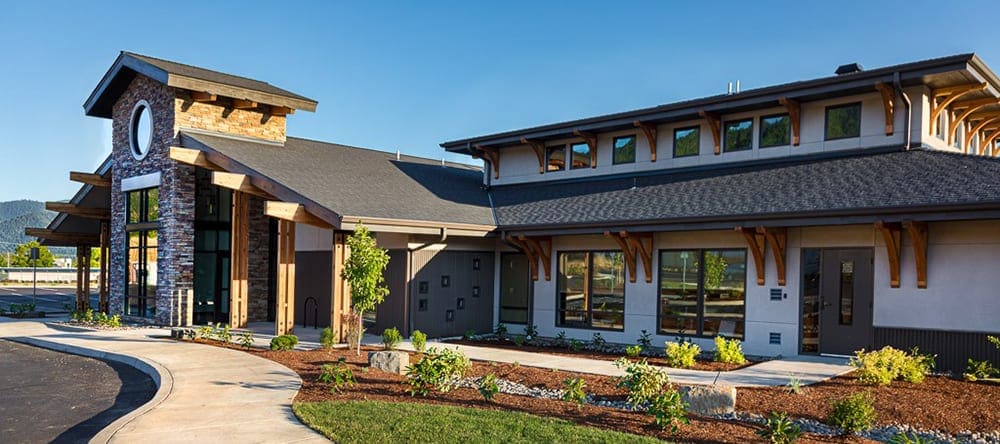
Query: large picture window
column 702, row 292
column 843, row 121
column 591, row 288
column 142, row 213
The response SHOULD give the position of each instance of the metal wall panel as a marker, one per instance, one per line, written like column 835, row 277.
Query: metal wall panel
column 392, row 311
column 451, row 308
column 953, row 348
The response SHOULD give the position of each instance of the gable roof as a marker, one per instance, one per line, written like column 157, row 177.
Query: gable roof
column 879, row 183
column 361, row 183
column 179, row 75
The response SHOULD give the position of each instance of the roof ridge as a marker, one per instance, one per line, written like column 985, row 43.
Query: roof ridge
column 135, row 54
column 388, row 153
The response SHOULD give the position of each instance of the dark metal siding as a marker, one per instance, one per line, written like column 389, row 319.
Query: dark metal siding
column 312, row 280
column 430, row 267
column 392, row 311
column 953, row 348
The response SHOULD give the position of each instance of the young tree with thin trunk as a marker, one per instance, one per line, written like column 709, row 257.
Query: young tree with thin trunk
column 363, row 272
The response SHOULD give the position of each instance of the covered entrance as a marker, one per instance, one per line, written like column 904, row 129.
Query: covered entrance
column 515, row 289
column 837, row 299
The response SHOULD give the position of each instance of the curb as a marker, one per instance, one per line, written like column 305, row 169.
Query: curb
column 160, row 375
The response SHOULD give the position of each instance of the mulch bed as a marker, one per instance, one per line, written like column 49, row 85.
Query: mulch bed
column 939, row 403
column 591, row 354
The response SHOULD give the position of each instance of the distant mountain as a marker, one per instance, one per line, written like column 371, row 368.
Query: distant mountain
column 17, row 215
column 14, row 208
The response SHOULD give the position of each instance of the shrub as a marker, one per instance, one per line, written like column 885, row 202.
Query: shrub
column 729, row 351
column 337, row 375
column 246, row 339
column 284, row 342
column 668, row 410
column 487, row 386
column 681, row 354
column 641, row 381
column 104, row 320
column 598, row 340
column 881, row 367
column 86, row 316
column 419, row 340
column 204, row 332
column 573, row 391
column 909, row 438
column 469, row 335
column 327, row 338
column 224, row 334
column 437, row 370
column 779, row 429
column 794, row 386
column 391, row 338
column 854, row 413
column 518, row 340
column 575, row 345
column 645, row 340
column 531, row 331
column 992, row 339
column 561, row 339
column 976, row 370
column 500, row 331
column 633, row 351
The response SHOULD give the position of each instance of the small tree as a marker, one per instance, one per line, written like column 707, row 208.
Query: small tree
column 22, row 255
column 363, row 272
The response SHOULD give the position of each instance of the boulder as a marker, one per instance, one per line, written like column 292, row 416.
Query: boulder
column 389, row 361
column 709, row 399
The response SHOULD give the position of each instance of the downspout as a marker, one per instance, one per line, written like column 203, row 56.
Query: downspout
column 907, row 105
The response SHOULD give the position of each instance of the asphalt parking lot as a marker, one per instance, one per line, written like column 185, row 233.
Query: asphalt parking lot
column 47, row 396
column 48, row 299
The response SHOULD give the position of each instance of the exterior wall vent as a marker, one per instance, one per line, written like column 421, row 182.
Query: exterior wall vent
column 774, row 339
column 849, row 68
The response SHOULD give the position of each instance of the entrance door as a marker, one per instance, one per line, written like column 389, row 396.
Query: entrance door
column 515, row 289
column 846, row 295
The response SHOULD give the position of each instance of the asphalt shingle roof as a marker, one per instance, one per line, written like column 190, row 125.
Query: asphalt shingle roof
column 362, row 182
column 862, row 183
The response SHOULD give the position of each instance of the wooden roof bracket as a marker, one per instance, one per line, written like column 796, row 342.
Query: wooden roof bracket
column 635, row 245
column 950, row 94
column 918, row 238
column 888, row 105
column 755, row 242
column 986, row 121
column 293, row 212
column 794, row 116
column 591, row 140
column 492, row 155
column 532, row 259
column 627, row 251
column 541, row 248
column 970, row 106
column 90, row 179
column 648, row 130
column 715, row 127
column 777, row 240
column 539, row 148
column 985, row 143
column 79, row 211
column 891, row 235
column 192, row 157
column 238, row 182
column 203, row 97
column 64, row 237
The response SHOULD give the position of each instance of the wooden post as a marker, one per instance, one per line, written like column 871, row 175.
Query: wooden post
column 340, row 293
column 240, row 245
column 102, row 284
column 86, row 277
column 82, row 277
column 285, row 316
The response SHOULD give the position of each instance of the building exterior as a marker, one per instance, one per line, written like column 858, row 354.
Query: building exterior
column 820, row 216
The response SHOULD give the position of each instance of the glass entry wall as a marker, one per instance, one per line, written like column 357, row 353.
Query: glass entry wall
column 213, row 215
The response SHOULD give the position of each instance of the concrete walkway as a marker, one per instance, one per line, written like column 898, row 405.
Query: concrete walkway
column 778, row 372
column 205, row 393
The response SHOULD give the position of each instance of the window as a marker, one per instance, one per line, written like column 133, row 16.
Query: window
column 738, row 135
column 959, row 135
column 810, row 300
column 687, row 141
column 702, row 292
column 843, row 121
column 581, row 155
column 142, row 212
column 140, row 129
column 555, row 158
column 775, row 131
column 624, row 150
column 591, row 290
column 846, row 292
column 939, row 128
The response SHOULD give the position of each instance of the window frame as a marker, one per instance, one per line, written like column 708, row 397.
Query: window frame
column 697, row 129
column 760, row 130
column 142, row 227
column 700, row 318
column 549, row 149
column 725, row 134
column 571, row 156
column 590, row 300
column 614, row 149
column 826, row 120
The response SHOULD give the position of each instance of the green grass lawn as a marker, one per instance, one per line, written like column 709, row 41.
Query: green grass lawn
column 375, row 421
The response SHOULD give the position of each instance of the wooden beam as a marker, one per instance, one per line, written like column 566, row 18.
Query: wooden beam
column 539, row 148
column 340, row 305
column 591, row 140
column 238, row 263
column 532, row 259
column 491, row 155
column 64, row 237
column 83, row 278
column 755, row 242
column 244, row 104
column 648, row 130
column 642, row 243
column 238, row 182
column 90, row 179
column 970, row 106
column 203, row 97
column 285, row 309
column 293, row 212
column 777, row 238
column 541, row 248
column 192, row 157
column 981, row 126
column 794, row 117
column 891, row 235
column 918, row 239
column 103, row 295
column 949, row 95
column 79, row 211
column 984, row 142
column 715, row 127
column 280, row 111
column 888, row 104
column 627, row 252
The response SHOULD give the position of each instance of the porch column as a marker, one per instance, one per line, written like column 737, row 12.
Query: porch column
column 102, row 278
column 82, row 277
column 340, row 303
column 285, row 310
column 239, row 248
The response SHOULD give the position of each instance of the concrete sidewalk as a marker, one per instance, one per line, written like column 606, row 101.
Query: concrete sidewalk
column 205, row 393
column 807, row 369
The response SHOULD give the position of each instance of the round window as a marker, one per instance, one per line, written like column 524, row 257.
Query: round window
column 141, row 129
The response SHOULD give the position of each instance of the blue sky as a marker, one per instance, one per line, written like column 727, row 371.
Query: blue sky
column 410, row 75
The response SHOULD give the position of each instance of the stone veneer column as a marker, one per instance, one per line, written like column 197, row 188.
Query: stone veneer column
column 258, row 261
